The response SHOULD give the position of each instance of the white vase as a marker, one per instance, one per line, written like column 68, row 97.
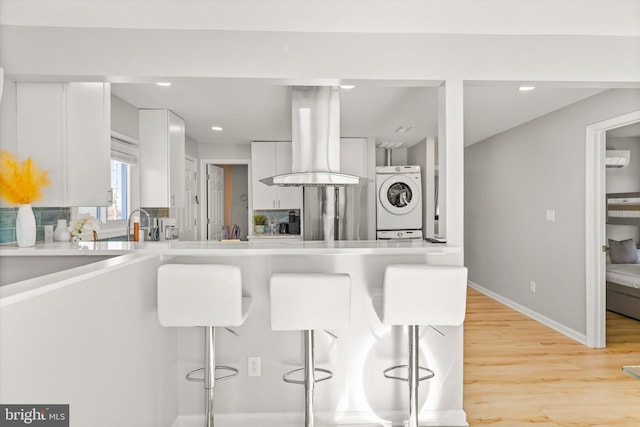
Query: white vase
column 25, row 226
column 61, row 233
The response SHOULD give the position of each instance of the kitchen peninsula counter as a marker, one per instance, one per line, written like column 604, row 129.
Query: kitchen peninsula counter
column 261, row 247
column 116, row 296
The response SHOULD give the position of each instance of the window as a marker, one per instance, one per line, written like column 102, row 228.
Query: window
column 124, row 189
column 119, row 208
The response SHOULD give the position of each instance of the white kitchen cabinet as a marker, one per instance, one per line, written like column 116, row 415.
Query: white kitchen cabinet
column 66, row 129
column 162, row 154
column 269, row 159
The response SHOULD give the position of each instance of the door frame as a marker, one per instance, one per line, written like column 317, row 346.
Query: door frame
column 198, row 217
column 595, row 225
column 203, row 187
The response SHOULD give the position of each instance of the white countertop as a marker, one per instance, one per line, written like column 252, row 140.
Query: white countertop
column 120, row 254
column 260, row 247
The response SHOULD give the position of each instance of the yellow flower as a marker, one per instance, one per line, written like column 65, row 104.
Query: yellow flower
column 20, row 183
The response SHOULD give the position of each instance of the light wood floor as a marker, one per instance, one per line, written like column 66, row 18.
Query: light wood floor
column 520, row 372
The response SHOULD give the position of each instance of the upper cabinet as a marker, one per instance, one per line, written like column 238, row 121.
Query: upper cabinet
column 162, row 154
column 269, row 159
column 66, row 129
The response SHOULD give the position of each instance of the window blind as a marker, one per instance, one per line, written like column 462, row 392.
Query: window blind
column 125, row 152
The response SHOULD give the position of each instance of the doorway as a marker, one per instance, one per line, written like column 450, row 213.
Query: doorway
column 226, row 199
column 595, row 230
column 188, row 217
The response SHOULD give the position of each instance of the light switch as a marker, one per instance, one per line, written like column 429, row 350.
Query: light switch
column 551, row 215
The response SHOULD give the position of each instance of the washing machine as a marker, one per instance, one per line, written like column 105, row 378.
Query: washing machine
column 399, row 197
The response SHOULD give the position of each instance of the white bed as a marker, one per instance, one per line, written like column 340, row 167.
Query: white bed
column 624, row 274
column 623, row 289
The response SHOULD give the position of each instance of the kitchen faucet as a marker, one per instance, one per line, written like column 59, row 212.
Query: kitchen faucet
column 131, row 216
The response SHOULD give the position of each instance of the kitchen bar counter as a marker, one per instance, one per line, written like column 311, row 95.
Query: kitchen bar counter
column 116, row 296
column 260, row 247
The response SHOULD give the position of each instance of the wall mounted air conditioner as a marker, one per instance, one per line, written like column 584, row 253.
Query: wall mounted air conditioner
column 617, row 158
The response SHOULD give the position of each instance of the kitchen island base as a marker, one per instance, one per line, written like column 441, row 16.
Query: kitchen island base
column 358, row 394
column 58, row 328
column 324, row 419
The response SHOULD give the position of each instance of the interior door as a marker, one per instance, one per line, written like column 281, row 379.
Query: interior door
column 215, row 202
column 189, row 218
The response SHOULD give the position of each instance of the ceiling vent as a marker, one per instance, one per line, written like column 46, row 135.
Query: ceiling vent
column 617, row 158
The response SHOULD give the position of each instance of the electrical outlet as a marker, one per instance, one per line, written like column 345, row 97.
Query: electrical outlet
column 532, row 287
column 253, row 366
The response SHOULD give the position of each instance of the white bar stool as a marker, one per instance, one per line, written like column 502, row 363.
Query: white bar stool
column 205, row 295
column 306, row 302
column 417, row 294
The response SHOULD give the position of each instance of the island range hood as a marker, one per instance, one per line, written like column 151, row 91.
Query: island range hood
column 315, row 141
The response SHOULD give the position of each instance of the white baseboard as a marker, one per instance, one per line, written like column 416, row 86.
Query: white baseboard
column 577, row 336
column 325, row 419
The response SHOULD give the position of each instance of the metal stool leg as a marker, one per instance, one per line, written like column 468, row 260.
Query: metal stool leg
column 209, row 373
column 309, row 378
column 309, row 370
column 413, row 375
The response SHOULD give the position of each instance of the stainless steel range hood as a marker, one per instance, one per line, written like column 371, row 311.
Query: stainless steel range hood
column 315, row 141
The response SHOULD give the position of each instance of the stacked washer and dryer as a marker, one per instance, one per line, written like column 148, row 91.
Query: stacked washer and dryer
column 399, row 207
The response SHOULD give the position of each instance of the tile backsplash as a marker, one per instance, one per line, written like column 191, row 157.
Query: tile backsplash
column 275, row 217
column 50, row 216
column 44, row 216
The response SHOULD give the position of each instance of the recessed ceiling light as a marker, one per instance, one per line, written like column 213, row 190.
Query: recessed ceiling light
column 347, row 86
column 216, row 128
column 526, row 88
column 403, row 129
column 164, row 84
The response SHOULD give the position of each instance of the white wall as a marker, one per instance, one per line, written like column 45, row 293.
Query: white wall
column 124, row 117
column 626, row 179
column 8, row 118
column 93, row 343
column 511, row 180
column 8, row 122
column 191, row 146
column 398, row 157
column 302, row 56
column 224, row 151
column 423, row 155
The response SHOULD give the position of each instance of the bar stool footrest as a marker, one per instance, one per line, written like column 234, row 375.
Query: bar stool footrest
column 292, row 381
column 430, row 373
column 190, row 375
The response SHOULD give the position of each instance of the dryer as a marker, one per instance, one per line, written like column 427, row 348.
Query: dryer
column 399, row 199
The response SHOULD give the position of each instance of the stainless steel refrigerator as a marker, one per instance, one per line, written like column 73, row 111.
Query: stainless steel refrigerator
column 335, row 213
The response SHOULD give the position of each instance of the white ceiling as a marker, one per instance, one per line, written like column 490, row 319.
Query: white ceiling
column 251, row 111
column 489, row 110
